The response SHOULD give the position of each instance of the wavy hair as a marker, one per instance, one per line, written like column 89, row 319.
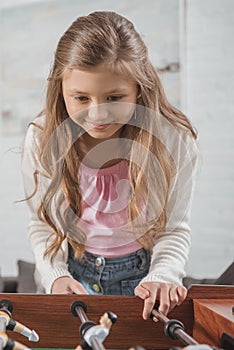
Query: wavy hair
column 109, row 38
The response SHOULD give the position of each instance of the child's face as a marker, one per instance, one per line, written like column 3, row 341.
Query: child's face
column 100, row 101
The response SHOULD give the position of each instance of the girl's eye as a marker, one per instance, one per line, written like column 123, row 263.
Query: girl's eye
column 114, row 98
column 82, row 98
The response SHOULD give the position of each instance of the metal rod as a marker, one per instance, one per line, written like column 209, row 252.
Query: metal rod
column 96, row 344
column 178, row 331
column 185, row 338
column 82, row 315
column 160, row 316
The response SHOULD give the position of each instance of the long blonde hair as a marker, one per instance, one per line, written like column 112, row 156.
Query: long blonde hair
column 101, row 37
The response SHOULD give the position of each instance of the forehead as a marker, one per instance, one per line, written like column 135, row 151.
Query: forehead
column 98, row 77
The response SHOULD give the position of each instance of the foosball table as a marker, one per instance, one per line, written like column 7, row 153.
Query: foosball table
column 207, row 317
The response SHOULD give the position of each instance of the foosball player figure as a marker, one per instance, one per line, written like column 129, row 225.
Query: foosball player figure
column 106, row 320
column 10, row 344
column 8, row 323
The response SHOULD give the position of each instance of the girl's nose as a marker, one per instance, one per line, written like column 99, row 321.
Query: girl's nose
column 98, row 112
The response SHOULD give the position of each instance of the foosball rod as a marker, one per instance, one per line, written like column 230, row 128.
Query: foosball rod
column 174, row 328
column 79, row 309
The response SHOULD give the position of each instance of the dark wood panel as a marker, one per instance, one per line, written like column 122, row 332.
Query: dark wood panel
column 50, row 316
column 211, row 292
column 211, row 319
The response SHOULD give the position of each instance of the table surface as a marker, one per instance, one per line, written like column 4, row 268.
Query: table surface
column 212, row 319
column 51, row 318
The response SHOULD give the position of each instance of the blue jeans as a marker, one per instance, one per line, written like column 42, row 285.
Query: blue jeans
column 110, row 276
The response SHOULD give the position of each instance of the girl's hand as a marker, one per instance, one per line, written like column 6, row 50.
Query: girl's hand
column 67, row 285
column 169, row 295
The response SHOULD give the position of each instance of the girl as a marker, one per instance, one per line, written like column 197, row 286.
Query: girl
column 108, row 170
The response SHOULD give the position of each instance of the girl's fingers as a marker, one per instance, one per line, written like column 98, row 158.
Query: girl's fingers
column 77, row 288
column 150, row 300
column 165, row 302
column 182, row 293
column 169, row 295
column 177, row 295
column 67, row 285
column 174, row 297
column 141, row 292
column 148, row 306
column 148, row 293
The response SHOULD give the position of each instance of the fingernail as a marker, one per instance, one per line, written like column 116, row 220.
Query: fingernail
column 155, row 319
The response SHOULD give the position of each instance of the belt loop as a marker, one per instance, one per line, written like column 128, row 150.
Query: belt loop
column 143, row 258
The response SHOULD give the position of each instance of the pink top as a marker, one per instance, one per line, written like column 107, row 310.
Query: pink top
column 105, row 196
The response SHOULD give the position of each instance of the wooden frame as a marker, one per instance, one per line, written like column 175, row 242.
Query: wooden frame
column 51, row 318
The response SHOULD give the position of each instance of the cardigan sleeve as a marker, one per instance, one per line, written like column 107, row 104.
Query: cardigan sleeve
column 171, row 249
column 39, row 232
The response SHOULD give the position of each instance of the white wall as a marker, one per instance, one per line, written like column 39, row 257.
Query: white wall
column 28, row 36
column 208, row 85
column 210, row 105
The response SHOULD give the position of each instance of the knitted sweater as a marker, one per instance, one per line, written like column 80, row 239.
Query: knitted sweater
column 171, row 248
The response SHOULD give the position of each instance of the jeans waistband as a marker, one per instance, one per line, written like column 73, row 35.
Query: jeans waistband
column 123, row 258
column 92, row 258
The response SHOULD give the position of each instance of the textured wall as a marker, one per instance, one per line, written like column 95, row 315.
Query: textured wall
column 28, row 36
column 210, row 104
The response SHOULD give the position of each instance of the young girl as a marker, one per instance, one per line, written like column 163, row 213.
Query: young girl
column 108, row 170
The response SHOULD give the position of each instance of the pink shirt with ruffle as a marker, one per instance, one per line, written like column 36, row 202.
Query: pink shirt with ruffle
column 105, row 196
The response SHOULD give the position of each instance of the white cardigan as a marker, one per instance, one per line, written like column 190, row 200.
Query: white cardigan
column 171, row 249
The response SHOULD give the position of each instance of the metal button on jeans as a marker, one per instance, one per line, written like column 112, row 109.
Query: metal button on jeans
column 98, row 261
column 96, row 288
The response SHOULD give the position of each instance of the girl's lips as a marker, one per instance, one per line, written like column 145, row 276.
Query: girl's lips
column 98, row 126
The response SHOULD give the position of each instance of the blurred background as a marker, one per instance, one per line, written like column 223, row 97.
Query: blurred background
column 190, row 43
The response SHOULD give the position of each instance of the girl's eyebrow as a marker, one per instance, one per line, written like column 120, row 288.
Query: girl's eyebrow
column 115, row 91
column 75, row 91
